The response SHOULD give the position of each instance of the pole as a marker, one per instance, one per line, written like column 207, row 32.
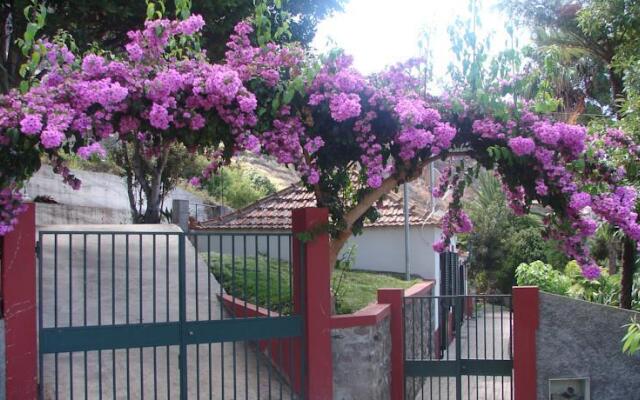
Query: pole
column 406, row 230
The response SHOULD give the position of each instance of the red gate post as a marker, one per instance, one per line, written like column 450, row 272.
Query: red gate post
column 19, row 308
column 525, row 324
column 313, row 299
column 395, row 297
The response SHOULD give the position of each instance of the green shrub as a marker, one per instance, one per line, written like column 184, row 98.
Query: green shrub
column 570, row 282
column 236, row 187
column 544, row 276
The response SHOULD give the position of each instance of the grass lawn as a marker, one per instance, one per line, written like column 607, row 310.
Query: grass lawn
column 267, row 283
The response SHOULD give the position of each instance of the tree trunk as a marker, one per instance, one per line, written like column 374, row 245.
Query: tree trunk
column 135, row 214
column 153, row 190
column 369, row 200
column 612, row 256
column 154, row 199
column 617, row 88
column 628, row 268
column 148, row 177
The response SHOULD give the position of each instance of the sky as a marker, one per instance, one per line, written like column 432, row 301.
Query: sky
column 378, row 33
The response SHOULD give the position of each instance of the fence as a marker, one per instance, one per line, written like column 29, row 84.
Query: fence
column 194, row 331
column 138, row 314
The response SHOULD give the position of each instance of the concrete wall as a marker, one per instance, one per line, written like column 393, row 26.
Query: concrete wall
column 98, row 191
column 362, row 362
column 382, row 249
column 577, row 339
column 54, row 214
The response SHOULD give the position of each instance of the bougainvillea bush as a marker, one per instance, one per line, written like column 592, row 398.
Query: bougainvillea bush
column 352, row 138
column 160, row 90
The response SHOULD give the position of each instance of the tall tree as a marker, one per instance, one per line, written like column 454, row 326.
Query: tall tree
column 106, row 22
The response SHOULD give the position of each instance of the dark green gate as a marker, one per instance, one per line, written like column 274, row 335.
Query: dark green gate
column 458, row 347
column 164, row 314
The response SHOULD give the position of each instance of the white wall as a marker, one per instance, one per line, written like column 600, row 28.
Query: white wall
column 382, row 249
column 377, row 249
column 236, row 243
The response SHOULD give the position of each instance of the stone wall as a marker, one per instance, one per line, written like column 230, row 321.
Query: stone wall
column 577, row 339
column 362, row 362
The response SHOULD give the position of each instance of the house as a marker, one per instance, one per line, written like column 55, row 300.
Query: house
column 380, row 247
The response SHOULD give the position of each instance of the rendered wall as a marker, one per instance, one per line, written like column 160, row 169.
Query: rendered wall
column 580, row 339
column 362, row 362
column 382, row 249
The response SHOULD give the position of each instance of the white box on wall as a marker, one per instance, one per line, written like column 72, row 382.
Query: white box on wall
column 569, row 389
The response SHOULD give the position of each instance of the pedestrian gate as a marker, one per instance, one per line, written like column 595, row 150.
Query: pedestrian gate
column 161, row 315
column 458, row 347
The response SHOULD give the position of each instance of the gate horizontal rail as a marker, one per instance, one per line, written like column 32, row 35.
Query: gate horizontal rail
column 464, row 367
column 71, row 339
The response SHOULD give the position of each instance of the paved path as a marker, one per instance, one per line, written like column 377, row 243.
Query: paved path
column 102, row 280
column 486, row 336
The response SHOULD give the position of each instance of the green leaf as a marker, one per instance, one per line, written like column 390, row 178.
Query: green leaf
column 35, row 58
column 151, row 10
column 275, row 104
column 288, row 95
column 24, row 86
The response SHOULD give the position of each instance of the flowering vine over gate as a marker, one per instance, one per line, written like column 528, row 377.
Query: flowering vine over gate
column 319, row 115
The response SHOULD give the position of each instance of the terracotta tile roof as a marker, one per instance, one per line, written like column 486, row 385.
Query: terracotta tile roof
column 274, row 212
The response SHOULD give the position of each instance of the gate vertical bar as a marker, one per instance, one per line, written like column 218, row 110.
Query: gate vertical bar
column 457, row 307
column 182, row 289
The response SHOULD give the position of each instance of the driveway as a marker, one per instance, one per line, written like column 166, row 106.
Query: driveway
column 107, row 277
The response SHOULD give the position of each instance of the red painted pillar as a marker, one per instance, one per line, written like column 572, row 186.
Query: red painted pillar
column 395, row 298
column 525, row 324
column 312, row 298
column 19, row 308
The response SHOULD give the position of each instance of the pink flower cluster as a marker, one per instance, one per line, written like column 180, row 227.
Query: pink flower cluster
column 11, row 207
column 85, row 152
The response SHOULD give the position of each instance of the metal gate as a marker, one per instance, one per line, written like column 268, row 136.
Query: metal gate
column 458, row 347
column 164, row 314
